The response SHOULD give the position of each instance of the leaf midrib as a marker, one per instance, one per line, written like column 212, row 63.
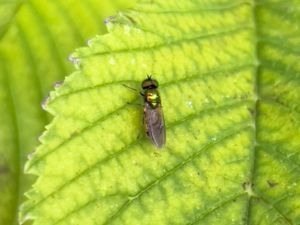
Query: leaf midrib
column 256, row 97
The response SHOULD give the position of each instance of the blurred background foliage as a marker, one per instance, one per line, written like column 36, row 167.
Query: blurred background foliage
column 36, row 38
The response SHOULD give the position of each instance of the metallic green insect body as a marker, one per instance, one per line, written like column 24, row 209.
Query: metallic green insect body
column 153, row 114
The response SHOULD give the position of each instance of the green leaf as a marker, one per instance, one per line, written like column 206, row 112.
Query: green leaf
column 229, row 82
column 8, row 10
column 36, row 38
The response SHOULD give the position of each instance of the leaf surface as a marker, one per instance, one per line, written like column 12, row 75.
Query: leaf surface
column 36, row 38
column 229, row 83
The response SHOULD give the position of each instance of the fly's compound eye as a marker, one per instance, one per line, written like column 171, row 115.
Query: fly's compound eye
column 149, row 84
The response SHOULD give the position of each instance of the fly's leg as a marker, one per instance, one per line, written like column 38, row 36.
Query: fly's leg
column 131, row 88
column 137, row 104
column 143, row 129
column 130, row 103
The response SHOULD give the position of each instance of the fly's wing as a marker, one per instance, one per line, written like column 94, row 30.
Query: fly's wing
column 155, row 125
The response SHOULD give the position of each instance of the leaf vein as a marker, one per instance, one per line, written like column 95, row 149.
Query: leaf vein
column 279, row 154
column 216, row 8
column 225, row 135
column 218, row 34
column 175, row 169
column 219, row 71
column 217, row 206
column 100, row 119
column 96, row 165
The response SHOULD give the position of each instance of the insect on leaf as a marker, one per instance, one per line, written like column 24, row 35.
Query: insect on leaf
column 229, row 84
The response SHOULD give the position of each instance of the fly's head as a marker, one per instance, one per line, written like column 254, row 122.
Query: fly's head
column 149, row 83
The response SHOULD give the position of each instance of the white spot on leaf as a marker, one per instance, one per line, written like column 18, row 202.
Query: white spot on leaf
column 112, row 61
column 74, row 60
column 89, row 42
column 58, row 84
column 132, row 61
column 189, row 104
column 45, row 102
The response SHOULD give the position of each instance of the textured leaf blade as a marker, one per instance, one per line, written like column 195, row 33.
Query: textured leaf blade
column 34, row 45
column 211, row 59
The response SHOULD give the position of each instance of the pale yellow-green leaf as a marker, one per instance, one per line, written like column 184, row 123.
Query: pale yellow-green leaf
column 36, row 38
column 229, row 82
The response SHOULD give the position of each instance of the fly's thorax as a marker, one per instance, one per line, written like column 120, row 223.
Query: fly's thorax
column 152, row 97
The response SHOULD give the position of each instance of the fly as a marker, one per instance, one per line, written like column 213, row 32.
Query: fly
column 153, row 113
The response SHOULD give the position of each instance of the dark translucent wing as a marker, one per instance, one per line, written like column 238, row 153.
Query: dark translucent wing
column 155, row 125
